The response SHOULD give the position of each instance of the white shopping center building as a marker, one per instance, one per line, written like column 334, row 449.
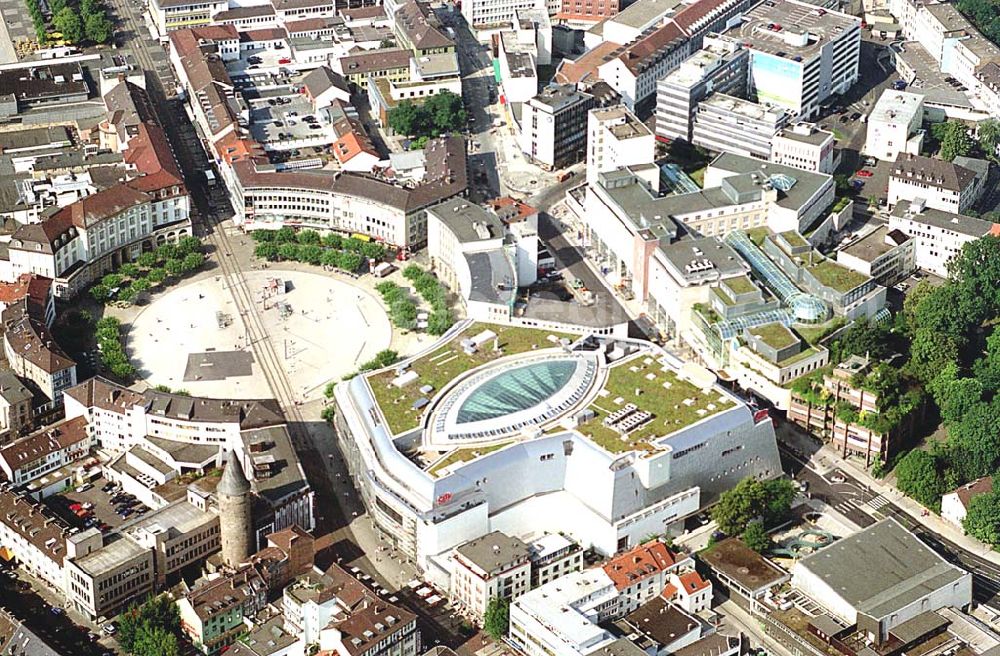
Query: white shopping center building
column 605, row 441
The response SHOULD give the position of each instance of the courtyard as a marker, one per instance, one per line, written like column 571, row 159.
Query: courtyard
column 321, row 328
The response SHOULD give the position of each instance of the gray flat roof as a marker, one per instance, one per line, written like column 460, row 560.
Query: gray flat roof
column 724, row 259
column 794, row 18
column 881, row 569
column 176, row 518
column 287, row 477
column 640, row 13
column 492, row 277
column 183, row 451
column 807, row 183
column 871, row 246
column 469, row 222
column 965, row 225
column 494, row 551
column 110, row 556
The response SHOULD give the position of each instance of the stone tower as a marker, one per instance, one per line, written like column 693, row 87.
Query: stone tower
column 233, row 493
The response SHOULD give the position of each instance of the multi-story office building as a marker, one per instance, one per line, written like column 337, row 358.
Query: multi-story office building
column 178, row 534
column 552, row 556
column 34, row 537
column 804, row 146
column 947, row 186
column 894, row 125
column 479, row 258
column 721, row 66
column 490, row 567
column 800, row 54
column 485, row 13
column 103, row 582
column 938, row 236
column 554, row 126
column 170, row 15
column 724, row 123
column 53, row 447
column 821, row 412
column 616, row 138
column 886, row 254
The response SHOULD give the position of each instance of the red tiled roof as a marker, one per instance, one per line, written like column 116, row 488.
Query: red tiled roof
column 692, row 582
column 585, row 67
column 639, row 563
column 150, row 153
column 640, row 50
column 264, row 34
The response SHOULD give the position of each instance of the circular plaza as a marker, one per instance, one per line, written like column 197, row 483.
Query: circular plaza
column 320, row 328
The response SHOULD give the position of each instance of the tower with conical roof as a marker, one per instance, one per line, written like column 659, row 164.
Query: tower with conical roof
column 233, row 494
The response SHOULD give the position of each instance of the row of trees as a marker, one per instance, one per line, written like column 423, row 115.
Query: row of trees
column 955, row 353
column 150, row 629
column 402, row 309
column 439, row 114
column 434, row 293
column 169, row 262
column 307, row 246
column 109, row 343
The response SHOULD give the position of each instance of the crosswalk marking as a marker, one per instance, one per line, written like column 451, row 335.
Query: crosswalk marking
column 872, row 505
column 878, row 503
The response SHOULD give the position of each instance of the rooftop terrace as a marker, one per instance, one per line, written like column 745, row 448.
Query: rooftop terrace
column 775, row 335
column 836, row 276
column 655, row 388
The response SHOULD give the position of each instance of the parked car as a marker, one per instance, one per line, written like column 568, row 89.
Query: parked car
column 855, row 116
column 83, row 488
column 110, row 628
column 864, row 174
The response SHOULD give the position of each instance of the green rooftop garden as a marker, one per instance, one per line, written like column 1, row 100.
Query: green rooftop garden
column 812, row 334
column 740, row 285
column 794, row 239
column 836, row 276
column 463, row 455
column 775, row 335
column 445, row 364
column 798, row 357
column 674, row 404
column 758, row 235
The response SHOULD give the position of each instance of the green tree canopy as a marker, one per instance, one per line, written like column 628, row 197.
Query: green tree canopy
column 755, row 536
column 954, row 139
column 496, row 620
column 753, row 499
column 407, row 119
column 988, row 135
column 917, row 475
column 98, row 27
column 982, row 520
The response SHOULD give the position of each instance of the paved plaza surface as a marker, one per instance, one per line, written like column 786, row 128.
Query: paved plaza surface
column 193, row 338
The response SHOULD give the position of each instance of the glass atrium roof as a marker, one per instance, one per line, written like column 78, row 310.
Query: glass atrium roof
column 515, row 390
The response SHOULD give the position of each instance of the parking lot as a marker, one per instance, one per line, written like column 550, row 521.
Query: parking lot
column 91, row 506
column 284, row 123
